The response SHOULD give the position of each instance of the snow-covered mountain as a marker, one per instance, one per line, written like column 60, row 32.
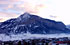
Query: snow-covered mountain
column 28, row 23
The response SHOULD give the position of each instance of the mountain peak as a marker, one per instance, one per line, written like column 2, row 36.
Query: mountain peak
column 32, row 24
column 24, row 16
column 26, row 13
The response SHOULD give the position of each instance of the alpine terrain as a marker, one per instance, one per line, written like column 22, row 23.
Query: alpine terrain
column 28, row 23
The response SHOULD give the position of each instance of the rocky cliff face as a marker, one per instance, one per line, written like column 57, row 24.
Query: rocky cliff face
column 28, row 23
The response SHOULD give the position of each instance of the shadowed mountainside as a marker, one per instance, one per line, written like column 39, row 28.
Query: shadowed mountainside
column 28, row 23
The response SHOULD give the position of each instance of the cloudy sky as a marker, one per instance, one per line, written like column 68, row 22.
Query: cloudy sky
column 58, row 10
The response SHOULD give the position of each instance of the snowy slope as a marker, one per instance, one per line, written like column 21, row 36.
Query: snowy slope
column 28, row 23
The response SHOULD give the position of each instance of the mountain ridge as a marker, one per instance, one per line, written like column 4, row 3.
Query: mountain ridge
column 32, row 24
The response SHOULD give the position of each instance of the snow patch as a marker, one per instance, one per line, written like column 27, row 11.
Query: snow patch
column 12, row 37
